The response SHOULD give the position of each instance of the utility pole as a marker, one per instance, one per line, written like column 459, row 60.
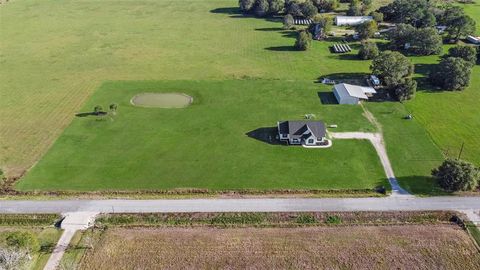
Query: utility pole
column 461, row 150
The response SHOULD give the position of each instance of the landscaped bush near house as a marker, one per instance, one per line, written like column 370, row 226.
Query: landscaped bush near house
column 457, row 175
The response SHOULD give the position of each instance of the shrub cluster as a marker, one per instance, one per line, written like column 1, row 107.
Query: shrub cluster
column 457, row 175
column 455, row 69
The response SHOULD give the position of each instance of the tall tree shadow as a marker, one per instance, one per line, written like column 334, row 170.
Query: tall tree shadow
column 281, row 48
column 226, row 10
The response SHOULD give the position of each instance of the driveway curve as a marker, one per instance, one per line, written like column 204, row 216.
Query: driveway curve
column 378, row 143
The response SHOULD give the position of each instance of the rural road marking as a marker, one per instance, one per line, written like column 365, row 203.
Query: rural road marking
column 71, row 223
column 378, row 143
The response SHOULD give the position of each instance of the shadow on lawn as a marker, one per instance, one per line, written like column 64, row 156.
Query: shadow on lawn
column 281, row 49
column 235, row 13
column 421, row 186
column 266, row 134
column 227, row 10
column 85, row 114
column 269, row 29
column 327, row 98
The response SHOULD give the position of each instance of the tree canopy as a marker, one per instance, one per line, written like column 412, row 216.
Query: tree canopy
column 457, row 175
column 467, row 53
column 395, row 71
column 457, row 22
column 303, row 40
column 417, row 13
column 369, row 50
column 422, row 41
column 453, row 73
column 367, row 29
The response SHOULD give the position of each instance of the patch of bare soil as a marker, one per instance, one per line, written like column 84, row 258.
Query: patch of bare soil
column 346, row 247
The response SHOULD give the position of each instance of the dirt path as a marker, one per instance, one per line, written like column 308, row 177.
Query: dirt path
column 377, row 141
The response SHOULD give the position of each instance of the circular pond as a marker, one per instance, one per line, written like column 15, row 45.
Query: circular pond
column 162, row 100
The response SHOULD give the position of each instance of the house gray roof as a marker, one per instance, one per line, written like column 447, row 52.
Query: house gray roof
column 296, row 129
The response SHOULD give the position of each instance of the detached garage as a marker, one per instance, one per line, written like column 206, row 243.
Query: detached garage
column 352, row 94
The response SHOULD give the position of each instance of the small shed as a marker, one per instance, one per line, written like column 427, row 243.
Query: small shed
column 352, row 20
column 351, row 94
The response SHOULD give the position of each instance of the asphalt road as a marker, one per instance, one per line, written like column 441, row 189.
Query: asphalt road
column 400, row 203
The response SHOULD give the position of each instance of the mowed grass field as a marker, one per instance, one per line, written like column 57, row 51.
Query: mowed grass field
column 339, row 247
column 451, row 118
column 220, row 142
column 52, row 60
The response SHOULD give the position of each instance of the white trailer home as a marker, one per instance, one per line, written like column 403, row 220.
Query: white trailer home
column 352, row 20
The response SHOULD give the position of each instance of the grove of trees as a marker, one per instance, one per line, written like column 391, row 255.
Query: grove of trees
column 307, row 8
column 422, row 41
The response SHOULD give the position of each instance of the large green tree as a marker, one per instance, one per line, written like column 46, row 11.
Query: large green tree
column 309, row 10
column 422, row 41
column 453, row 73
column 458, row 23
column 326, row 5
column 427, row 41
column 395, row 71
column 415, row 12
column 246, row 5
column 392, row 67
column 369, row 50
column 355, row 8
column 303, row 40
column 467, row 53
column 367, row 29
column 457, row 175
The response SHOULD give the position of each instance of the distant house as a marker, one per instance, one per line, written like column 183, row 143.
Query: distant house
column 352, row 94
column 474, row 40
column 302, row 132
column 352, row 20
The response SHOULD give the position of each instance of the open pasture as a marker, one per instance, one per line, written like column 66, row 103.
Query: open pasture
column 51, row 68
column 225, row 140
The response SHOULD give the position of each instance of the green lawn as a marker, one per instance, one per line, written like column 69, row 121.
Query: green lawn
column 206, row 145
column 451, row 118
column 55, row 54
